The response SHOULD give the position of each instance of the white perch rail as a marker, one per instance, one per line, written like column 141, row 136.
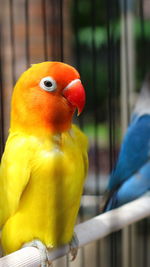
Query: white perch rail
column 91, row 230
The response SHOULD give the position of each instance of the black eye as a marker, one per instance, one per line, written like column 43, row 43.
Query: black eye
column 48, row 84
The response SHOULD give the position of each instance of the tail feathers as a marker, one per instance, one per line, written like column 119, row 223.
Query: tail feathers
column 112, row 203
column 109, row 201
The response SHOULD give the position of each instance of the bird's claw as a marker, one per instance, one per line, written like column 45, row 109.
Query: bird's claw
column 43, row 252
column 74, row 247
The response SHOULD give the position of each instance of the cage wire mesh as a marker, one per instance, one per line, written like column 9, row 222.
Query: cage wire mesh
column 103, row 40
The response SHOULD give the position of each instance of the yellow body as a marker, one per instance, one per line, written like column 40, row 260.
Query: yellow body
column 41, row 182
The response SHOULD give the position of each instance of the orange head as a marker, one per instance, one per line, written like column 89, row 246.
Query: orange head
column 45, row 98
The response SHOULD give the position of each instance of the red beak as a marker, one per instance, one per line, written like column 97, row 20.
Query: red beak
column 75, row 94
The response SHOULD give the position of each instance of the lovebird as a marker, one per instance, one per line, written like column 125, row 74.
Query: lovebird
column 45, row 162
column 130, row 178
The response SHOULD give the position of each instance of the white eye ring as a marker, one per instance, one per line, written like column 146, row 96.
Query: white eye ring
column 48, row 84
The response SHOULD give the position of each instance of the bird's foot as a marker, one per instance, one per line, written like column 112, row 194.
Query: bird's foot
column 74, row 243
column 43, row 252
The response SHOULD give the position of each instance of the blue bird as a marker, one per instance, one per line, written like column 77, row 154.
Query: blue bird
column 131, row 176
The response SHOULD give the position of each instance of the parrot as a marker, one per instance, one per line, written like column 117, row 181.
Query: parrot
column 130, row 177
column 45, row 160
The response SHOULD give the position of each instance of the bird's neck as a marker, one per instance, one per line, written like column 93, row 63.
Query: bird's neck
column 38, row 115
column 38, row 126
